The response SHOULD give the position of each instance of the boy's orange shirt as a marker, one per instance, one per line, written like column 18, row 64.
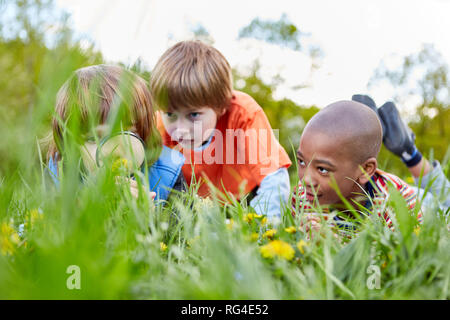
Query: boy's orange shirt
column 243, row 132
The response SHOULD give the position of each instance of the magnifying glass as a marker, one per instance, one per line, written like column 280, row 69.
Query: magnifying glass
column 124, row 151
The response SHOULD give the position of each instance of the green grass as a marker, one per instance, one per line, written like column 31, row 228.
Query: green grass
column 209, row 251
column 190, row 248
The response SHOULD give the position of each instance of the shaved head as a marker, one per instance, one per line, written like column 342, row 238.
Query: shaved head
column 352, row 125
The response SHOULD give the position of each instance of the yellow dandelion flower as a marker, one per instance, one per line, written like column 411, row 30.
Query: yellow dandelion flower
column 119, row 165
column 162, row 246
column 251, row 216
column 248, row 217
column 409, row 180
column 417, row 231
column 290, row 229
column 300, row 245
column 9, row 239
column 264, row 221
column 277, row 248
column 269, row 233
column 253, row 237
column 35, row 215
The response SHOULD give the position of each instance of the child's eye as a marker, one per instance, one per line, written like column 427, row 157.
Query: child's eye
column 170, row 115
column 322, row 170
column 301, row 162
column 194, row 115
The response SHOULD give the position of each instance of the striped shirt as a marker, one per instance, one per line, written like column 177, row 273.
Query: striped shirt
column 378, row 191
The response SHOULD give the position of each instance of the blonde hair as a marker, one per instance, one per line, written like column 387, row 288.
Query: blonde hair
column 91, row 92
column 192, row 74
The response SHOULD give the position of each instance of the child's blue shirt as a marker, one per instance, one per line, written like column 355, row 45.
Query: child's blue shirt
column 162, row 175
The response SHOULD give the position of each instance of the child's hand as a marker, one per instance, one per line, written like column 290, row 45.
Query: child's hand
column 135, row 190
column 310, row 222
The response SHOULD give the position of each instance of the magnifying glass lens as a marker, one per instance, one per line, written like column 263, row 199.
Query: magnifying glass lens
column 122, row 151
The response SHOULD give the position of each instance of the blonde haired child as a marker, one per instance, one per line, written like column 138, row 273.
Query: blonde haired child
column 91, row 97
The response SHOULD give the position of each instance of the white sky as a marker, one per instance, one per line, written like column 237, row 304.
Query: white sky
column 354, row 36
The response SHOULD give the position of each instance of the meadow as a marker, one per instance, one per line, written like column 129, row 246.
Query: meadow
column 89, row 238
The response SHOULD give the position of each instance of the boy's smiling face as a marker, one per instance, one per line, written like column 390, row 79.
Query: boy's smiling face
column 339, row 144
column 190, row 127
column 321, row 157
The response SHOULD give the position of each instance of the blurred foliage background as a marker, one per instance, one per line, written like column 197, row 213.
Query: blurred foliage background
column 38, row 51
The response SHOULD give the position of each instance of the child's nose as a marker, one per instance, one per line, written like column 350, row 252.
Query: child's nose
column 182, row 125
column 181, row 133
column 309, row 178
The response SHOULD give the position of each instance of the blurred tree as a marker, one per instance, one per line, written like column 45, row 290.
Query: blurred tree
column 34, row 33
column 281, row 32
column 202, row 34
column 284, row 115
column 284, row 34
column 139, row 67
column 194, row 31
column 26, row 26
column 38, row 52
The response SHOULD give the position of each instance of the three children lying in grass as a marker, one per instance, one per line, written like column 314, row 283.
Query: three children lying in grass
column 205, row 132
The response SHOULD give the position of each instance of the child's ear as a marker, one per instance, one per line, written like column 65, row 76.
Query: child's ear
column 368, row 169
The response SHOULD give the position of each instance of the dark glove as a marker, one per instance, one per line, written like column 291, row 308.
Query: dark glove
column 398, row 137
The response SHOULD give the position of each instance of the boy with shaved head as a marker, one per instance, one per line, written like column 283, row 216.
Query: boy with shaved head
column 339, row 148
